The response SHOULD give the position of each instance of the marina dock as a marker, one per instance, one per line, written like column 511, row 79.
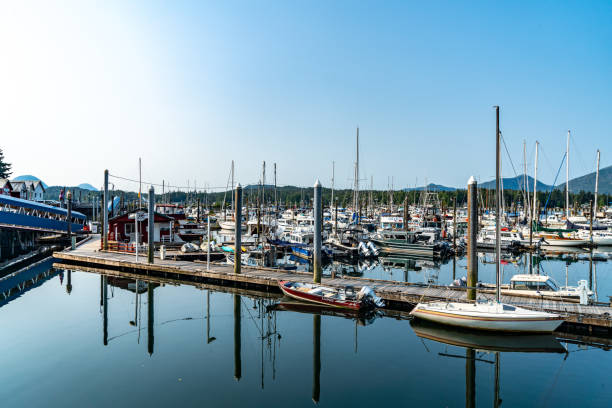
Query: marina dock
column 397, row 295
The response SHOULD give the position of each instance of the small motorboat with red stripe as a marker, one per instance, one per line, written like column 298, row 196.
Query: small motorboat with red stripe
column 345, row 297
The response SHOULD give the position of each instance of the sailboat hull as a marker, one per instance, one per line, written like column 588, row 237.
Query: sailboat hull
column 488, row 317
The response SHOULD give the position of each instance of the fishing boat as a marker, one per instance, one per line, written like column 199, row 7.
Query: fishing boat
column 489, row 315
column 345, row 298
column 410, row 243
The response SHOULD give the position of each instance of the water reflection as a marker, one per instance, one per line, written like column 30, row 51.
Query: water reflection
column 239, row 339
column 478, row 344
column 17, row 284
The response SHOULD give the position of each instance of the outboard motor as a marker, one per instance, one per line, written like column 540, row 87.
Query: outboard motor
column 583, row 291
column 373, row 248
column 363, row 249
column 367, row 295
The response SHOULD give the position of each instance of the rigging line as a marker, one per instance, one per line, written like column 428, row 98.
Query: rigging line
column 542, row 152
column 508, row 153
column 581, row 161
column 252, row 318
column 191, row 188
column 552, row 187
column 159, row 185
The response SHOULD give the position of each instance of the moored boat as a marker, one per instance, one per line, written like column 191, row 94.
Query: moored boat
column 345, row 298
column 492, row 316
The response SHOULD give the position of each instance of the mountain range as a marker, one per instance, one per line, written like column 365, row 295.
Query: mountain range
column 587, row 182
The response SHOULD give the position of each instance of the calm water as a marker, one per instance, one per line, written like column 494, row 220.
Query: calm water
column 167, row 347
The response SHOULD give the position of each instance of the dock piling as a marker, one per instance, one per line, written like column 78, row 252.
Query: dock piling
column 317, row 233
column 472, row 259
column 69, row 218
column 105, row 213
column 238, row 223
column 151, row 229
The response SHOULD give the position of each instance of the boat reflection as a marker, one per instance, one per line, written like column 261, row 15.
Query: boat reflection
column 476, row 342
column 362, row 318
column 519, row 343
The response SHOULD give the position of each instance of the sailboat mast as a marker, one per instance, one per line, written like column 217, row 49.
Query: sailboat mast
column 535, row 184
column 596, row 187
column 356, row 196
column 567, row 152
column 526, row 203
column 497, row 206
column 232, row 187
column 331, row 205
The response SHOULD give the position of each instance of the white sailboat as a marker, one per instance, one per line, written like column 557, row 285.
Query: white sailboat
column 491, row 315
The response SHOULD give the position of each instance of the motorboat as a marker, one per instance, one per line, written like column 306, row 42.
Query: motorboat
column 345, row 297
column 535, row 285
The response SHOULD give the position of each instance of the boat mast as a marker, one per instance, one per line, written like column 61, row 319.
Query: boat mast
column 567, row 213
column 596, row 187
column 331, row 205
column 526, row 203
column 356, row 195
column 275, row 198
column 232, row 187
column 497, row 207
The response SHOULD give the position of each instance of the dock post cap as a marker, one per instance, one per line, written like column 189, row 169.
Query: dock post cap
column 472, row 180
column 317, row 183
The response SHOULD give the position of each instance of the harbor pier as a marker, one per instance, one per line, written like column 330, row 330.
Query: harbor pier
column 397, row 295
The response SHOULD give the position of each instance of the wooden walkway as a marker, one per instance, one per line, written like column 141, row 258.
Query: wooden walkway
column 396, row 294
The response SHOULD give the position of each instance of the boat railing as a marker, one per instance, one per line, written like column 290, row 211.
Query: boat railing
column 117, row 246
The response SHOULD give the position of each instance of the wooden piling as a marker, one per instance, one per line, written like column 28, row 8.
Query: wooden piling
column 151, row 229
column 238, row 225
column 316, row 264
column 105, row 212
column 472, row 258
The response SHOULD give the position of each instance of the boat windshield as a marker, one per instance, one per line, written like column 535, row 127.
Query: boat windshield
column 552, row 284
column 529, row 285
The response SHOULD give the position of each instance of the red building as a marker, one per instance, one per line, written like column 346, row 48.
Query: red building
column 121, row 228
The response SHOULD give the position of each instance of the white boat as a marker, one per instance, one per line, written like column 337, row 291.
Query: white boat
column 535, row 285
column 561, row 239
column 600, row 237
column 488, row 316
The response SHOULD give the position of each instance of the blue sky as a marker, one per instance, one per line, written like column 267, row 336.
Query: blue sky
column 189, row 86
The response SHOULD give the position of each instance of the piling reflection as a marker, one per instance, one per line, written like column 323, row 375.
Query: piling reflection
column 262, row 308
column 150, row 318
column 69, row 283
column 237, row 338
column 105, row 310
column 316, row 357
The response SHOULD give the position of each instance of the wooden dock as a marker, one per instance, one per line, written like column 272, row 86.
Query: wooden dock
column 398, row 295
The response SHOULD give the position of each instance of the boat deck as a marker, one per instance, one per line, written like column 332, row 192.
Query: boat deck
column 396, row 294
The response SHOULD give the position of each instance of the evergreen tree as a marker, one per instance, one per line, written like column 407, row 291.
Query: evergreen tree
column 5, row 168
